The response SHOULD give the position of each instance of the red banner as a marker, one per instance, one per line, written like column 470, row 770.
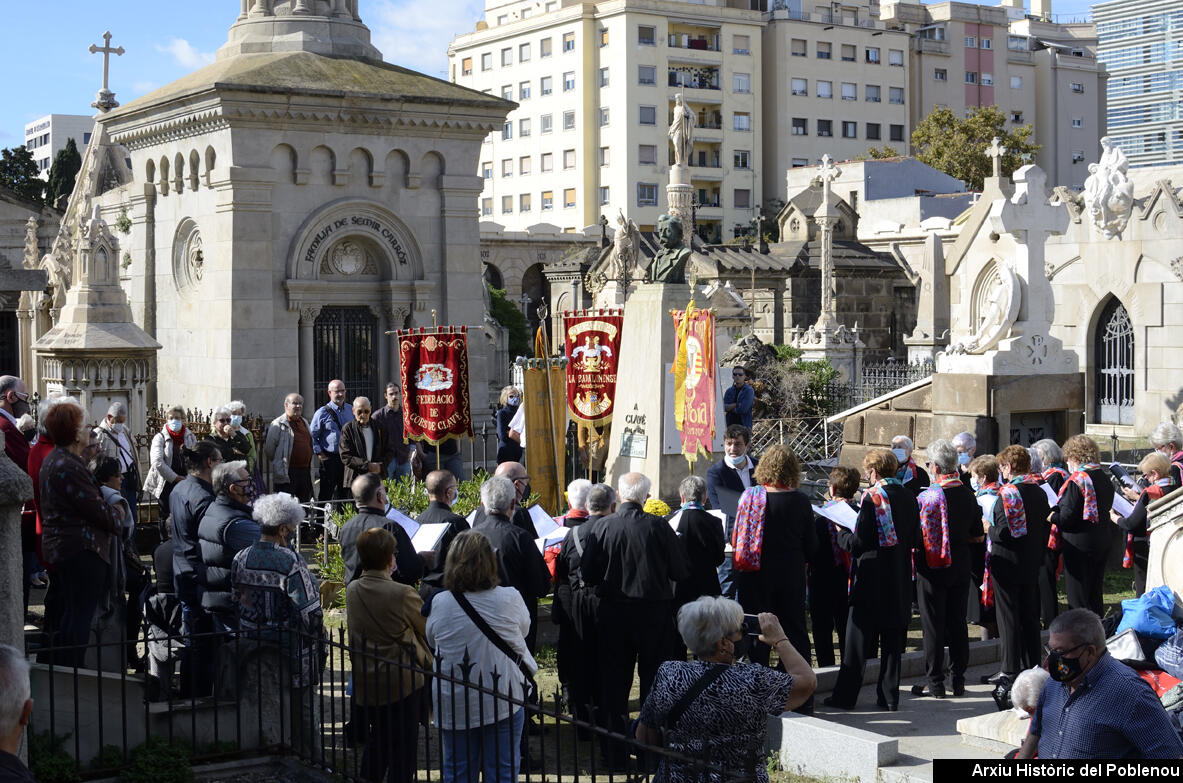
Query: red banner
column 435, row 384
column 593, row 350
column 694, row 379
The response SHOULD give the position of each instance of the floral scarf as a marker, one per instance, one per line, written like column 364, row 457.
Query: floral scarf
column 841, row 556
column 907, row 471
column 1082, row 479
column 1055, row 470
column 1150, row 494
column 748, row 538
column 987, row 588
column 884, row 525
column 934, row 521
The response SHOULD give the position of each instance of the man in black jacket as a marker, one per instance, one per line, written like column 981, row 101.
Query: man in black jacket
column 516, row 473
column 726, row 481
column 226, row 529
column 442, row 490
column 363, row 446
column 370, row 497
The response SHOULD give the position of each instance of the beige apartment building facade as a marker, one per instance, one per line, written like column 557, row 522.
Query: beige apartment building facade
column 595, row 85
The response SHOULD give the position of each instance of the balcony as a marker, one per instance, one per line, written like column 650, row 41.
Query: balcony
column 694, row 78
column 931, row 46
column 699, row 43
column 1023, row 57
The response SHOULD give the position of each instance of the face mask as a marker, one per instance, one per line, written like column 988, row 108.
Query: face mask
column 19, row 408
column 235, row 421
column 962, row 458
column 742, row 647
column 736, row 462
column 1063, row 669
column 526, row 491
column 513, row 401
column 901, row 456
column 975, row 484
column 117, row 426
column 174, row 425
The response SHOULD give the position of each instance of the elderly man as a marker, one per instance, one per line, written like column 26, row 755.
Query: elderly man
column 363, row 447
column 370, row 497
column 15, row 711
column 739, row 399
column 1097, row 707
column 226, row 529
column 572, row 647
column 288, row 447
column 117, row 443
column 516, row 473
column 14, row 403
column 390, row 419
column 632, row 559
column 327, row 423
column 911, row 475
column 726, row 481
column 442, row 492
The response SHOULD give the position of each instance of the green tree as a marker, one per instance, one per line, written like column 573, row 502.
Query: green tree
column 19, row 173
column 879, row 153
column 510, row 317
column 958, row 146
column 63, row 172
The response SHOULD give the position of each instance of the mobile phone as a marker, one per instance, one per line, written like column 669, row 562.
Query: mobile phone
column 751, row 625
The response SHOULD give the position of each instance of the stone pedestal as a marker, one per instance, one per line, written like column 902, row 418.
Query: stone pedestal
column 679, row 194
column 841, row 346
column 1001, row 409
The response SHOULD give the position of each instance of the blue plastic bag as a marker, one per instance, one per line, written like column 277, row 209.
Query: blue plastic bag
column 1150, row 614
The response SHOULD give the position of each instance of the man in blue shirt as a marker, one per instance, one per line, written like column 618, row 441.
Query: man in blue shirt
column 326, row 439
column 1095, row 707
column 739, row 399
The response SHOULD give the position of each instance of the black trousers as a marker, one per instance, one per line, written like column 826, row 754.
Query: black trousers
column 299, row 483
column 1017, row 609
column 391, row 752
column 1084, row 578
column 827, row 613
column 1141, row 549
column 864, row 637
column 83, row 579
column 757, row 594
column 1049, row 605
column 942, row 618
column 332, row 474
column 630, row 634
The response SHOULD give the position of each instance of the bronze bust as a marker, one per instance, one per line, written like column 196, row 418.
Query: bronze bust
column 669, row 265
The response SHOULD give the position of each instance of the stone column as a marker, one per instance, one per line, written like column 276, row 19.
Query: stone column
column 308, row 315
column 15, row 488
column 679, row 194
column 24, row 331
column 385, row 346
column 828, row 319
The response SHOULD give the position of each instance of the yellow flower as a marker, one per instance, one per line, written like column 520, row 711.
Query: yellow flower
column 655, row 506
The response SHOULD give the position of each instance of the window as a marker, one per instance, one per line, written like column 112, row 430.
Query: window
column 824, row 50
column 872, row 55
column 742, row 198
column 1115, row 379
column 548, row 200
column 849, row 129
column 873, row 93
column 603, row 37
column 507, row 92
column 932, row 33
column 548, row 162
column 988, row 79
column 604, row 198
column 647, row 154
column 523, row 91
column 647, row 115
column 825, row 128
column 741, row 159
column 524, row 127
column 1077, row 87
column 895, row 57
column 1016, row 82
column 568, row 42
column 487, row 61
column 524, row 165
column 604, row 116
column 603, row 77
column 546, row 85
column 741, row 121
column 507, row 130
column 647, row 74
column 799, row 47
column 568, row 159
column 646, row 35
column 544, row 47
column 487, row 169
column 646, row 194
column 799, row 163
column 507, row 57
column 568, row 120
column 741, row 44
column 1078, row 122
column 526, row 13
column 848, row 53
column 503, row 19
column 971, row 42
column 940, row 75
column 552, row 5
column 896, row 132
column 506, row 205
column 524, row 204
column 971, row 77
column 466, row 66
column 824, row 89
column 507, row 167
column 800, row 126
column 1016, row 43
column 486, row 207
column 872, row 131
column 604, row 156
column 895, row 95
column 800, row 86
column 741, row 82
column 986, row 43
column 568, row 81
column 849, row 91
column 546, row 122
column 1016, row 116
column 524, row 53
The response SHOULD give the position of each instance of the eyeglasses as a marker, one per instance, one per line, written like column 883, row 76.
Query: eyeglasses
column 1064, row 653
column 22, row 396
column 737, row 375
column 520, row 478
column 223, row 421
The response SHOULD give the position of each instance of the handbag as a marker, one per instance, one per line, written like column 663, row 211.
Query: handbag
column 499, row 643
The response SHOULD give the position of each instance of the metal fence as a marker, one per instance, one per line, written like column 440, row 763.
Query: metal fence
column 810, row 438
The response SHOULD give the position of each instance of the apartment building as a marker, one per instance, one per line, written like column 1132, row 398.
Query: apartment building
column 46, row 136
column 595, row 85
column 836, row 80
column 1140, row 42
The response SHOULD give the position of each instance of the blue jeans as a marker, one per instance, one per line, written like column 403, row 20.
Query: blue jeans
column 493, row 748
column 398, row 470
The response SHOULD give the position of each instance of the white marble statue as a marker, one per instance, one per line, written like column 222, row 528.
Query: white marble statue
column 1108, row 193
column 624, row 248
column 681, row 132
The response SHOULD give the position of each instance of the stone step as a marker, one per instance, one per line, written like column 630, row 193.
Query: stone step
column 997, row 731
column 822, row 749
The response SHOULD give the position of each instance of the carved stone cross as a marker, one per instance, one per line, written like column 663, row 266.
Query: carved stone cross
column 828, row 173
column 995, row 152
column 107, row 52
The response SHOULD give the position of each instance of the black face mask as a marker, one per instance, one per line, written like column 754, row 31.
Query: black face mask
column 526, row 491
column 19, row 408
column 742, row 647
column 1063, row 669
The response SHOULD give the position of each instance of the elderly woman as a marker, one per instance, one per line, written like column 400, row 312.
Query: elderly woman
column 914, row 477
column 509, row 449
column 976, row 612
column 1168, row 441
column 480, row 731
column 167, row 466
column 224, row 434
column 1156, row 469
column 702, row 537
column 237, row 410
column 885, row 533
column 116, row 442
column 715, row 708
column 774, row 535
column 78, row 527
column 128, row 577
column 1051, row 467
column 1081, row 522
column 386, row 624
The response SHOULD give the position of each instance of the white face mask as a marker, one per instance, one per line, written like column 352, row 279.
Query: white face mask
column 736, row 462
column 900, row 455
column 235, row 421
column 117, row 426
column 975, row 484
column 174, row 425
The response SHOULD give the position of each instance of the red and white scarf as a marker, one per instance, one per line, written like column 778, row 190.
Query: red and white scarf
column 934, row 521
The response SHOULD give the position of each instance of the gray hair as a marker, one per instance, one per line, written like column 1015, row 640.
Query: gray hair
column 363, row 402
column 498, row 495
column 692, row 488
column 965, row 440
column 903, row 442
column 1164, row 433
column 633, row 487
column 600, row 499
column 8, row 383
column 220, row 410
column 274, row 511
column 15, row 690
column 577, row 493
column 704, row 622
column 1036, row 459
column 45, row 405
column 236, row 405
column 1024, row 694
column 1082, row 626
column 943, row 454
column 117, row 409
column 225, row 474
column 1049, row 452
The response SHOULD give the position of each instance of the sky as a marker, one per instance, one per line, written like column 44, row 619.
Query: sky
column 49, row 69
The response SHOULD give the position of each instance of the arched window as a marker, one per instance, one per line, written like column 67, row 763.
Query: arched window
column 346, row 348
column 1114, row 360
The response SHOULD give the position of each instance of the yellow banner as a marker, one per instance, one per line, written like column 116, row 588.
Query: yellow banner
column 546, row 431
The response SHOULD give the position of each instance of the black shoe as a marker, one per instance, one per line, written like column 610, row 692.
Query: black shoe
column 958, row 688
column 829, row 702
column 992, row 679
column 882, row 704
column 937, row 690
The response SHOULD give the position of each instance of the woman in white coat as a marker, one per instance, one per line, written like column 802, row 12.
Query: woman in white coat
column 167, row 467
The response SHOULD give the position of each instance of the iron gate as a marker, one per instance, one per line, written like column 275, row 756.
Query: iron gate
column 346, row 347
column 1114, row 357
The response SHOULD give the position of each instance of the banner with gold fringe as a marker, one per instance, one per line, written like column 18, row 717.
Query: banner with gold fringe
column 694, row 379
column 434, row 373
column 592, row 347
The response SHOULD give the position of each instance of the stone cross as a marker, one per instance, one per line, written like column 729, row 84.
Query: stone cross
column 828, row 173
column 826, row 217
column 105, row 100
column 995, row 152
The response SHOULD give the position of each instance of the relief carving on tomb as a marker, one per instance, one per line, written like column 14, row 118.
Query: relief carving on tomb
column 1108, row 193
column 994, row 307
column 347, row 259
column 189, row 261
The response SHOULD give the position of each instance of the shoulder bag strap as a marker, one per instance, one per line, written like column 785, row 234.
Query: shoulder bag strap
column 492, row 635
column 699, row 685
column 577, row 540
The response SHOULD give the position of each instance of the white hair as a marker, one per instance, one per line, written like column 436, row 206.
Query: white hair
column 692, row 488
column 274, row 511
column 633, row 487
column 577, row 493
column 965, row 440
column 1049, row 452
column 14, row 688
column 1036, row 459
column 117, row 409
column 943, row 454
column 498, row 495
column 704, row 622
column 45, row 405
column 236, row 405
column 903, row 442
column 600, row 499
column 1165, row 433
column 221, row 410
column 362, row 402
column 1024, row 694
column 225, row 474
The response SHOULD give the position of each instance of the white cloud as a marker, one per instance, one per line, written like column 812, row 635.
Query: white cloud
column 185, row 55
column 143, row 88
column 415, row 33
